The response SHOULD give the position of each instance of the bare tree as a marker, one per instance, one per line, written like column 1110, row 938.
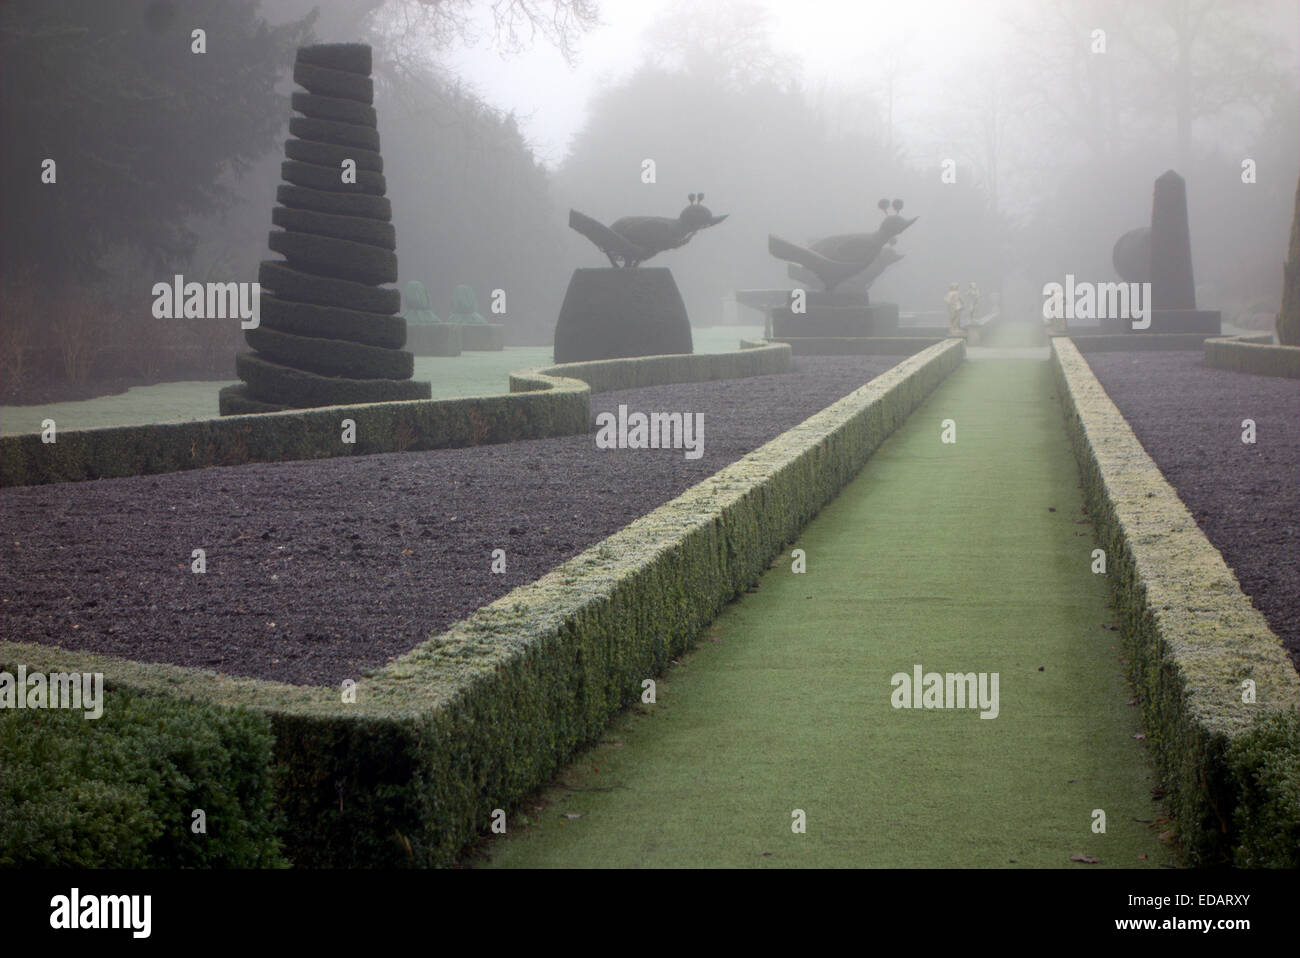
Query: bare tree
column 727, row 41
column 419, row 29
column 1212, row 56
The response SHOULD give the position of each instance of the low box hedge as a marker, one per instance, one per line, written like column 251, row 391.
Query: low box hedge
column 1262, row 359
column 120, row 791
column 1192, row 637
column 541, row 403
column 477, row 717
column 603, row 375
column 857, row 345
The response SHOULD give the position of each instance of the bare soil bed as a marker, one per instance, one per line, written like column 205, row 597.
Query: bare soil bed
column 317, row 570
column 1245, row 497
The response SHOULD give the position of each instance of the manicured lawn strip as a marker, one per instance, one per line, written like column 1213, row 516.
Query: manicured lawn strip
column 410, row 770
column 943, row 555
column 1193, row 638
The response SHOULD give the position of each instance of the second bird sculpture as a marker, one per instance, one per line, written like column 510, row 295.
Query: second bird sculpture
column 837, row 258
column 632, row 240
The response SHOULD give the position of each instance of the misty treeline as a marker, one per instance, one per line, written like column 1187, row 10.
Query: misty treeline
column 1056, row 147
column 167, row 161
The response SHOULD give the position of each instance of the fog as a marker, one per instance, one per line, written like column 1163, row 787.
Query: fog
column 1025, row 134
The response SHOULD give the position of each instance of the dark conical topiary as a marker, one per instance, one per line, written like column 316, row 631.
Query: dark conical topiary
column 1288, row 320
column 330, row 333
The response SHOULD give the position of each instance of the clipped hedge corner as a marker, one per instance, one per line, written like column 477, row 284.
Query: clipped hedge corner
column 120, row 791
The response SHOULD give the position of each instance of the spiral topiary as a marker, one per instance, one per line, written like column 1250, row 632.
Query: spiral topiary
column 329, row 334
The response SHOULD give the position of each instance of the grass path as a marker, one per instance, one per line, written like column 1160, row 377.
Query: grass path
column 946, row 555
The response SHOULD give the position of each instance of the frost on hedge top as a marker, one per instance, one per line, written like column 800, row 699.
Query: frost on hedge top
column 330, row 334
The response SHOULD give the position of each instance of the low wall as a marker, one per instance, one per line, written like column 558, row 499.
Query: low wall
column 554, row 401
column 1192, row 639
column 858, row 345
column 1253, row 354
column 603, row 375
column 479, row 716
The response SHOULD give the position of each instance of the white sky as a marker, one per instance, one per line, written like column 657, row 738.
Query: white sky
column 838, row 41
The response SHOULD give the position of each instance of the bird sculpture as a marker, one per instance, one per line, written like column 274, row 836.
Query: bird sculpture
column 838, row 258
column 860, row 282
column 632, row 240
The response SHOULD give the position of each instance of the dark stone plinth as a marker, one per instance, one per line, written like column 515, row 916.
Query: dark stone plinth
column 615, row 313
column 824, row 321
column 884, row 319
column 1206, row 321
column 434, row 339
column 483, row 337
column 1172, row 284
column 821, row 321
column 1202, row 322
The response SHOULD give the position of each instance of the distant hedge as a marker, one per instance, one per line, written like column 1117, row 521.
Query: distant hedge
column 542, row 403
column 120, row 791
column 1261, row 359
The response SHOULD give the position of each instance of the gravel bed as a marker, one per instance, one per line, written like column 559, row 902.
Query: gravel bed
column 318, row 569
column 1246, row 497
